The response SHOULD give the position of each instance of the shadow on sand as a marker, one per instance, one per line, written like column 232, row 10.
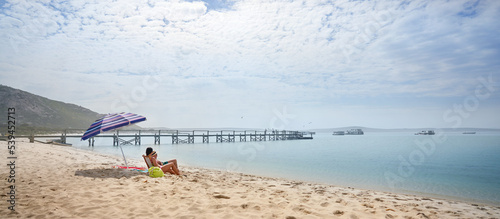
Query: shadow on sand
column 109, row 173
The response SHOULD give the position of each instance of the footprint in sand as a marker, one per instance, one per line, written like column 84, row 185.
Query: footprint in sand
column 341, row 201
column 221, row 196
column 338, row 212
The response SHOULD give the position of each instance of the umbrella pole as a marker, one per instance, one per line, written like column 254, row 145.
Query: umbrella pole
column 123, row 156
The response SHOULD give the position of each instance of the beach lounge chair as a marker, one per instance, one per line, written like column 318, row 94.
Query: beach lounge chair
column 148, row 161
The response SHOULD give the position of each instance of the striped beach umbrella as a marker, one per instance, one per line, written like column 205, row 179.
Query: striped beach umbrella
column 110, row 122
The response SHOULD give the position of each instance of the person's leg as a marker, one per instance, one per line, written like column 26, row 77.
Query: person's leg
column 176, row 169
column 168, row 168
column 170, row 171
column 174, row 161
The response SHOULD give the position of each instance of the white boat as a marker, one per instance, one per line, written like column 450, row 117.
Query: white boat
column 339, row 133
column 355, row 132
column 429, row 132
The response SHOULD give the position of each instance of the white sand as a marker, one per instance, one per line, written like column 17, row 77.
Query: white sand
column 63, row 182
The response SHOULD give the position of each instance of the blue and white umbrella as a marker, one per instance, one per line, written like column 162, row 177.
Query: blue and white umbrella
column 110, row 122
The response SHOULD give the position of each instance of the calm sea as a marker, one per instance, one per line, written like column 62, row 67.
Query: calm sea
column 449, row 165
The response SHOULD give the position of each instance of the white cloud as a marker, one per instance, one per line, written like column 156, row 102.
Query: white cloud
column 249, row 56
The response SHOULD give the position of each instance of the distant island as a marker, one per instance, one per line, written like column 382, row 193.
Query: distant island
column 465, row 130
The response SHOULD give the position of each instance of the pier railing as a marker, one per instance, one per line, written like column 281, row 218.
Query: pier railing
column 179, row 136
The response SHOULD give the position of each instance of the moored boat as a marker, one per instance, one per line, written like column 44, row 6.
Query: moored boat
column 428, row 132
column 355, row 132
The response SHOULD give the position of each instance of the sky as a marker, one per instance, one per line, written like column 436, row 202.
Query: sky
column 294, row 65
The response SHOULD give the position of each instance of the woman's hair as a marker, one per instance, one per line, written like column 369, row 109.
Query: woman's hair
column 148, row 151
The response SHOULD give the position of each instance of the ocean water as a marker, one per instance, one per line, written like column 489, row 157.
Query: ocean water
column 446, row 165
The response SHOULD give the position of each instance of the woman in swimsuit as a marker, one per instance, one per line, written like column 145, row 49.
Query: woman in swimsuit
column 169, row 166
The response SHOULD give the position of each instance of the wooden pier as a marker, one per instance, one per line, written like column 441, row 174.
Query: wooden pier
column 182, row 136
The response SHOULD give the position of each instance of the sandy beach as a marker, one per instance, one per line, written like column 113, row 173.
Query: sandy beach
column 63, row 182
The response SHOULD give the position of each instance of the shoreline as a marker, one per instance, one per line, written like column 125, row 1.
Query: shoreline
column 374, row 188
column 422, row 195
column 401, row 192
column 70, row 182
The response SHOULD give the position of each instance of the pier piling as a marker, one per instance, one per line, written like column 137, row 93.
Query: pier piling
column 183, row 137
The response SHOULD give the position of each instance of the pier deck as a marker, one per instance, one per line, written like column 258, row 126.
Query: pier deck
column 181, row 136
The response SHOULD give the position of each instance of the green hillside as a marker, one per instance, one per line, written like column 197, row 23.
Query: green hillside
column 38, row 113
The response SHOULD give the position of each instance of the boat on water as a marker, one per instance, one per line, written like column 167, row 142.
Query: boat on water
column 354, row 132
column 349, row 132
column 424, row 132
column 469, row 132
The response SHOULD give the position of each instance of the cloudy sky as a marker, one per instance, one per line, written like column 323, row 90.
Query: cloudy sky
column 261, row 64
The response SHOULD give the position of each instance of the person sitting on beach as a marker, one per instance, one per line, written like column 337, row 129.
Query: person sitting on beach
column 168, row 166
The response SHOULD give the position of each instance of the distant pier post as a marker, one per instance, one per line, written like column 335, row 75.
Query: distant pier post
column 115, row 139
column 175, row 139
column 218, row 138
column 138, row 138
column 243, row 137
column 157, row 137
column 191, row 138
column 230, row 138
column 91, row 141
column 63, row 137
column 272, row 137
column 206, row 137
column 32, row 137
